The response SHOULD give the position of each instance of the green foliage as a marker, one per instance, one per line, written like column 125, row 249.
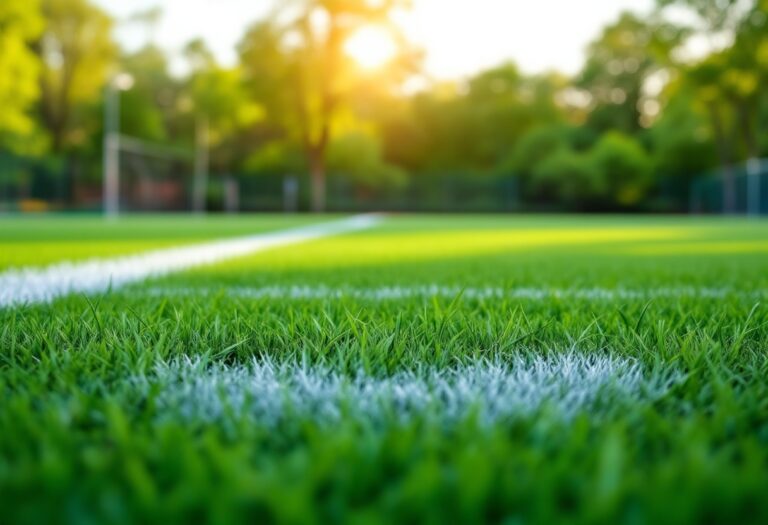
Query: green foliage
column 144, row 108
column 624, row 170
column 309, row 84
column 277, row 158
column 358, row 157
column 726, row 81
column 219, row 94
column 681, row 140
column 78, row 52
column 568, row 176
column 616, row 172
column 619, row 64
column 20, row 24
column 536, row 146
column 475, row 130
column 296, row 95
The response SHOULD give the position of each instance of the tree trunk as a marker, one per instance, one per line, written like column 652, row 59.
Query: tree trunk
column 317, row 177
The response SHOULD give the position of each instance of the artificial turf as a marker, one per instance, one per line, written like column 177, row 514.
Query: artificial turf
column 106, row 413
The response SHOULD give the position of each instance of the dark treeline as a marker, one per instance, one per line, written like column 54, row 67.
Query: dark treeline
column 630, row 131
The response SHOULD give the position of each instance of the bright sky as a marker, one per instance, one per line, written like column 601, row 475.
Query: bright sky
column 460, row 36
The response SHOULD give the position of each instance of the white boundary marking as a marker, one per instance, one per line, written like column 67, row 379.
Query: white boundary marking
column 393, row 293
column 272, row 393
column 36, row 285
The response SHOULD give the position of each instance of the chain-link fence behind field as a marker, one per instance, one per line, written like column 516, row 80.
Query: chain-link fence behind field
column 260, row 192
column 741, row 189
column 147, row 182
column 32, row 184
column 153, row 182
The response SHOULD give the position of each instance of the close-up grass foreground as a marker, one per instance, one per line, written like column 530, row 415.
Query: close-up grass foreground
column 388, row 369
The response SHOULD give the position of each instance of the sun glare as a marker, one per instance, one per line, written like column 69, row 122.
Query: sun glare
column 371, row 47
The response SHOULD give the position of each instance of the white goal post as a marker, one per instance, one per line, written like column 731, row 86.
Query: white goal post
column 115, row 143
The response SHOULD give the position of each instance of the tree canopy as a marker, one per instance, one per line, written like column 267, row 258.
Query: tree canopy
column 332, row 90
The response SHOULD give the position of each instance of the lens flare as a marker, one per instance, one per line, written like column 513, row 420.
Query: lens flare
column 371, row 47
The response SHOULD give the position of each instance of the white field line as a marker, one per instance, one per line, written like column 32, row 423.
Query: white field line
column 272, row 394
column 388, row 293
column 35, row 285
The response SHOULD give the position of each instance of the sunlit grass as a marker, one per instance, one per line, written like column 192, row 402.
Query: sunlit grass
column 377, row 248
column 38, row 241
column 701, row 248
column 133, row 405
column 142, row 227
column 41, row 253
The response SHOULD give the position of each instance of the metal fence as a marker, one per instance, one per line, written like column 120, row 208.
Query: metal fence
column 149, row 184
column 748, row 194
column 33, row 183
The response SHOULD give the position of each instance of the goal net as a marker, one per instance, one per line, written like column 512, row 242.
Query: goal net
column 154, row 177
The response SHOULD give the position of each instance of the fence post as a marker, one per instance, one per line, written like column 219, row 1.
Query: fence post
column 290, row 194
column 111, row 182
column 753, row 186
column 231, row 194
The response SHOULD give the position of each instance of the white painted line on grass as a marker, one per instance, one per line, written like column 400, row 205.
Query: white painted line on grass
column 36, row 285
column 393, row 293
column 271, row 394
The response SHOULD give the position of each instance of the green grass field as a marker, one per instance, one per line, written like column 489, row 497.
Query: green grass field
column 431, row 369
column 36, row 241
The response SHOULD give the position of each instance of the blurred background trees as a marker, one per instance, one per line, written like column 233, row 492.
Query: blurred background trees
column 21, row 24
column 630, row 131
